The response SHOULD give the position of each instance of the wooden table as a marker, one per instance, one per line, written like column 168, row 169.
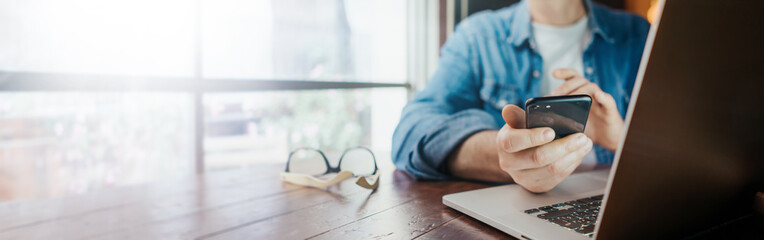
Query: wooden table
column 255, row 204
column 249, row 204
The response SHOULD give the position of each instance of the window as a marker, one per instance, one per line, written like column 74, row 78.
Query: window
column 330, row 40
column 137, row 37
column 54, row 143
column 105, row 93
column 244, row 129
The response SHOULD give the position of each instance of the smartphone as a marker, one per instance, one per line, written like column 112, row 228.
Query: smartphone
column 566, row 115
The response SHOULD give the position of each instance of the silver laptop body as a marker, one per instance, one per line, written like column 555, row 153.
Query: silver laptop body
column 691, row 158
column 503, row 207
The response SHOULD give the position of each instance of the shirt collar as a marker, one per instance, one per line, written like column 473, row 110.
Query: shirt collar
column 521, row 24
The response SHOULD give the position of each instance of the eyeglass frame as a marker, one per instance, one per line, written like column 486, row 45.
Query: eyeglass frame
column 329, row 168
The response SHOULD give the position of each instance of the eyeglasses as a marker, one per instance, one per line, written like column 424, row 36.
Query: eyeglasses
column 305, row 165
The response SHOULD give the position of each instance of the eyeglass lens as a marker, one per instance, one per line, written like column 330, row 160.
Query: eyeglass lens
column 360, row 161
column 307, row 161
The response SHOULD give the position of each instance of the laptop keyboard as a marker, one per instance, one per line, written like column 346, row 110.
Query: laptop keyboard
column 577, row 215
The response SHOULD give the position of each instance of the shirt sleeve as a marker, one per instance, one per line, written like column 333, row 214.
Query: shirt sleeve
column 443, row 115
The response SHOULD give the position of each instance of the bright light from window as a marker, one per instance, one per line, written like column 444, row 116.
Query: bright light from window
column 243, row 39
column 298, row 39
column 59, row 143
column 137, row 37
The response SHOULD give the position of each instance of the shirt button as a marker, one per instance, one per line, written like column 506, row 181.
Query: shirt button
column 589, row 70
column 502, row 103
column 536, row 74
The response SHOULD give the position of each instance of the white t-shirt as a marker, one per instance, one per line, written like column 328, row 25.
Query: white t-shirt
column 563, row 47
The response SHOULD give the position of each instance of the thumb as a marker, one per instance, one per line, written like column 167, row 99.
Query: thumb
column 514, row 116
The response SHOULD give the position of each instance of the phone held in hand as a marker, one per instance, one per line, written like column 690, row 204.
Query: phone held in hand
column 566, row 115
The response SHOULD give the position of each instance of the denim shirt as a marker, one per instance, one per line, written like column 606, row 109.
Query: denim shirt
column 491, row 61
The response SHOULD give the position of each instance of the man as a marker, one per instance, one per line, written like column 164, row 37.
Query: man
column 467, row 124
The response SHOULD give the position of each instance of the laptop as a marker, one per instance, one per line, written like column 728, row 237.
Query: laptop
column 691, row 157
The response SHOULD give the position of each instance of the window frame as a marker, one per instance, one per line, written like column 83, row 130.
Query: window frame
column 422, row 40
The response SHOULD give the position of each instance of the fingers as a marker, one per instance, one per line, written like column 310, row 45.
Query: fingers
column 558, row 149
column 576, row 84
column 515, row 140
column 549, row 153
column 589, row 89
column 573, row 80
column 606, row 100
column 569, row 86
column 565, row 73
column 600, row 97
column 514, row 116
column 544, row 178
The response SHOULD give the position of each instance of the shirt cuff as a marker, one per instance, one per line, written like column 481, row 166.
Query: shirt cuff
column 442, row 139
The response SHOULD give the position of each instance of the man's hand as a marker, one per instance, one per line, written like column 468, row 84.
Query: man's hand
column 530, row 156
column 605, row 124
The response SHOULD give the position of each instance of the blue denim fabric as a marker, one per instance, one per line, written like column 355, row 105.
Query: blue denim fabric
column 490, row 62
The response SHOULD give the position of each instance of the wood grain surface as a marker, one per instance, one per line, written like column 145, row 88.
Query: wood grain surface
column 249, row 204
column 254, row 204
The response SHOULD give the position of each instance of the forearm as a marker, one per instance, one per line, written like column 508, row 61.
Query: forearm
column 477, row 159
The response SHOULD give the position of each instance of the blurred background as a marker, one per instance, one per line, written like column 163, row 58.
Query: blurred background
column 103, row 93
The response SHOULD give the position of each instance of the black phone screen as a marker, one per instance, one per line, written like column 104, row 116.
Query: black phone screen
column 566, row 115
